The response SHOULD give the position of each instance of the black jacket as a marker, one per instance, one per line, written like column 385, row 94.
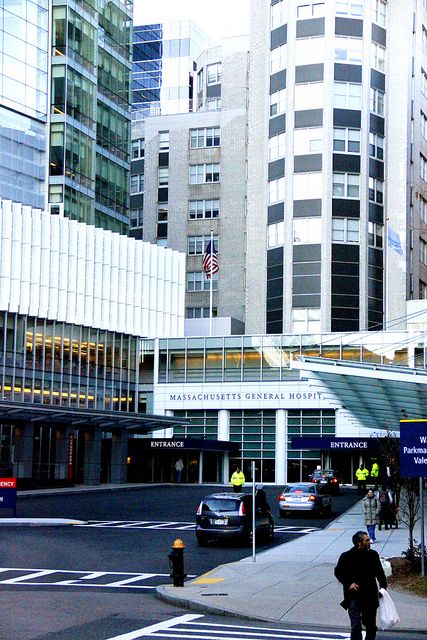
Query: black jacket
column 364, row 568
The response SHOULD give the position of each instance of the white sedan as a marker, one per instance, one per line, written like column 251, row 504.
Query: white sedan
column 304, row 496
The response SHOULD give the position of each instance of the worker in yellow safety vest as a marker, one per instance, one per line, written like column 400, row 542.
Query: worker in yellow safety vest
column 362, row 475
column 237, row 480
column 375, row 472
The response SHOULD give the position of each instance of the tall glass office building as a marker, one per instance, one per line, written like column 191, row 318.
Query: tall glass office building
column 24, row 50
column 90, row 113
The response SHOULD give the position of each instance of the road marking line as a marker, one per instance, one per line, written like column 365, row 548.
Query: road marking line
column 160, row 626
column 37, row 574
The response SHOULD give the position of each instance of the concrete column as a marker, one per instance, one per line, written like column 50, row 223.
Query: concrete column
column 224, row 434
column 61, row 453
column 281, row 447
column 119, row 452
column 201, row 467
column 92, row 456
column 23, row 452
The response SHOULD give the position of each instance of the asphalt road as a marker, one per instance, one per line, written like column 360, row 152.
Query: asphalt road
column 97, row 581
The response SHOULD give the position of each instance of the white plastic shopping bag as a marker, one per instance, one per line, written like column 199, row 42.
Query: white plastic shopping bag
column 387, row 613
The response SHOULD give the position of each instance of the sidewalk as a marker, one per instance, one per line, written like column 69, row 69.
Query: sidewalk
column 294, row 582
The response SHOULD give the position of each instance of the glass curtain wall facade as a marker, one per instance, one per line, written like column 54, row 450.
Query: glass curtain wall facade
column 53, row 363
column 90, row 118
column 23, row 100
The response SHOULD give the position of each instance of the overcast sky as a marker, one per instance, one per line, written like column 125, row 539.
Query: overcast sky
column 217, row 19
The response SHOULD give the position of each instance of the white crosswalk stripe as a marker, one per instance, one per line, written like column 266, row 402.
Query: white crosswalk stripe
column 65, row 578
column 192, row 626
column 175, row 526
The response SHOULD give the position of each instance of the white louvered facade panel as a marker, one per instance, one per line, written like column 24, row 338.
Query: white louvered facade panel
column 60, row 269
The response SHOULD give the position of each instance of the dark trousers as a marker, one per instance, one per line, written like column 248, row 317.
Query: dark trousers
column 361, row 487
column 362, row 614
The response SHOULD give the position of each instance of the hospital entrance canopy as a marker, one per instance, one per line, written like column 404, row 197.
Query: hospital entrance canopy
column 374, row 396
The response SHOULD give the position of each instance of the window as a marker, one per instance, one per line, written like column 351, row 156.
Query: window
column 423, row 167
column 196, row 245
column 197, row 281
column 345, row 230
column 423, row 209
column 422, row 290
column 348, row 50
column 276, row 147
column 346, row 140
column 345, row 185
column 380, row 12
column 276, row 235
column 137, row 183
column 213, row 104
column 136, row 217
column 162, row 242
column 203, row 173
column 308, row 140
column 423, row 82
column 310, row 10
column 162, row 221
column 376, row 146
column 375, row 235
column 349, row 8
column 278, row 14
column 163, row 173
column 207, row 137
column 309, row 96
column 213, row 73
column 200, row 312
column 423, row 251
column 278, row 58
column 305, row 320
column 278, row 102
column 378, row 57
column 138, row 148
column 200, row 209
column 309, row 50
column 163, row 140
column 307, row 186
column 347, row 95
column 276, row 190
column 424, row 125
column 307, row 230
column 377, row 101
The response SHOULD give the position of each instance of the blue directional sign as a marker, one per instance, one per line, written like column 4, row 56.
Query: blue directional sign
column 413, row 448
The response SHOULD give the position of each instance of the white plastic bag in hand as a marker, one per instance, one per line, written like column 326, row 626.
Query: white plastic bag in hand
column 387, row 613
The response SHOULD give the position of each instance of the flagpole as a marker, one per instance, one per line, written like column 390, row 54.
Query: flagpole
column 211, row 287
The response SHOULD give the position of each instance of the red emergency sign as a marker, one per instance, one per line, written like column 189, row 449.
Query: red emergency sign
column 7, row 483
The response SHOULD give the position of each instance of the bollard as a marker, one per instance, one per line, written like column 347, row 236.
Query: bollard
column 176, row 563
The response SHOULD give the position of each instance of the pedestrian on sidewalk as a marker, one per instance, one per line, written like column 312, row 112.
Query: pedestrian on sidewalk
column 386, row 515
column 371, row 509
column 358, row 570
column 237, row 480
column 361, row 476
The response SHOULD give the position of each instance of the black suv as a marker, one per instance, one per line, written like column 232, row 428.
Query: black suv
column 328, row 479
column 229, row 516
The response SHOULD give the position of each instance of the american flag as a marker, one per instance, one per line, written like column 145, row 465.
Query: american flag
column 210, row 260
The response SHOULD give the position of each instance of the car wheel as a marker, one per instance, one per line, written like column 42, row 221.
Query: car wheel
column 201, row 541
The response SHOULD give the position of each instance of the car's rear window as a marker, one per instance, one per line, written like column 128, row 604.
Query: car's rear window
column 297, row 488
column 216, row 504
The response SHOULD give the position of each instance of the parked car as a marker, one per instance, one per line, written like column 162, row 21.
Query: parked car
column 223, row 516
column 328, row 478
column 305, row 496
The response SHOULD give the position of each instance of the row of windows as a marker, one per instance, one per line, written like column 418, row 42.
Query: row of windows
column 306, row 9
column 348, row 50
column 344, row 185
column 197, row 281
column 346, row 95
column 309, row 231
column 211, row 74
column 196, row 245
column 309, row 140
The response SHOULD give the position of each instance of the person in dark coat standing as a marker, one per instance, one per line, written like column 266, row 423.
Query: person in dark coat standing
column 358, row 570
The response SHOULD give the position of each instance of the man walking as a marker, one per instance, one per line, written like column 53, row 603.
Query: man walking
column 358, row 571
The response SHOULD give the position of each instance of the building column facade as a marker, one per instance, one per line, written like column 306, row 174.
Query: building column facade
column 224, row 434
column 92, row 456
column 62, row 451
column 281, row 476
column 119, row 452
column 23, row 453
